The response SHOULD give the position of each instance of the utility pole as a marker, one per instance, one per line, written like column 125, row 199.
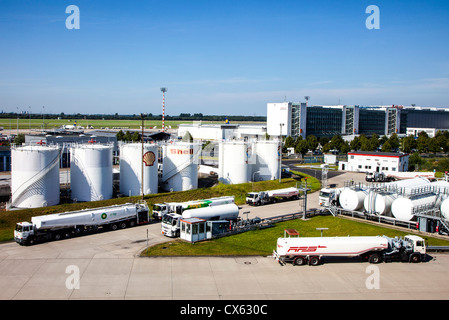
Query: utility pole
column 142, row 115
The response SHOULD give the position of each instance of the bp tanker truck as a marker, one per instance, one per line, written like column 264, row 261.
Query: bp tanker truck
column 62, row 225
column 310, row 250
column 161, row 209
column 170, row 225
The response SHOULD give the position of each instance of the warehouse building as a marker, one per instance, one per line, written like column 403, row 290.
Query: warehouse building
column 368, row 161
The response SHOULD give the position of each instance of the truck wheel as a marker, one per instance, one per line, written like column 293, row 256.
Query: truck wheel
column 314, row 261
column 414, row 258
column 57, row 236
column 132, row 223
column 113, row 227
column 122, row 225
column 374, row 258
column 299, row 261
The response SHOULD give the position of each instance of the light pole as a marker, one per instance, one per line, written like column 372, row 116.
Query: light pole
column 142, row 115
column 164, row 90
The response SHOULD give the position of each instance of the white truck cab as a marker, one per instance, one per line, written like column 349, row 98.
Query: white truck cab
column 23, row 231
column 170, row 226
column 328, row 196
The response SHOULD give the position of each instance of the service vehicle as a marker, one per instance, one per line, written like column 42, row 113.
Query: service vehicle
column 270, row 196
column 375, row 249
column 161, row 209
column 63, row 225
column 329, row 196
column 378, row 177
column 170, row 225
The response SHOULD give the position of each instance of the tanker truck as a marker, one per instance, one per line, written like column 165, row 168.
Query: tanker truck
column 170, row 225
column 310, row 250
column 270, row 196
column 161, row 209
column 63, row 225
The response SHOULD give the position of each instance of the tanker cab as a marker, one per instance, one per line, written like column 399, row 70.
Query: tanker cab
column 325, row 196
column 23, row 231
column 418, row 243
column 159, row 210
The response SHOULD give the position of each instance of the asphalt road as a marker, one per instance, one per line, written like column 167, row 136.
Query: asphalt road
column 107, row 266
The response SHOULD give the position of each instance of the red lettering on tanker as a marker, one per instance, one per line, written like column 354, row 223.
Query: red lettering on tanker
column 305, row 249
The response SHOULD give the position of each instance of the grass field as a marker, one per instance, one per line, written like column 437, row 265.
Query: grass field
column 263, row 242
column 8, row 219
column 24, row 124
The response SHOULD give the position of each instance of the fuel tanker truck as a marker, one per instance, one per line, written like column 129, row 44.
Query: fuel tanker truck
column 161, row 209
column 270, row 196
column 375, row 249
column 171, row 222
column 62, row 225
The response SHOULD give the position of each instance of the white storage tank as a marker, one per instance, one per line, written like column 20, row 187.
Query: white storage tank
column 443, row 188
column 35, row 176
column 402, row 208
column 267, row 160
column 380, row 202
column 180, row 166
column 233, row 162
column 91, row 172
column 131, row 160
column 352, row 199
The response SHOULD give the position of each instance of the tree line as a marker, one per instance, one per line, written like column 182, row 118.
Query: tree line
column 418, row 147
column 409, row 144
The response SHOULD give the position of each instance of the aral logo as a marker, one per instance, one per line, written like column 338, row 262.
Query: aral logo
column 104, row 216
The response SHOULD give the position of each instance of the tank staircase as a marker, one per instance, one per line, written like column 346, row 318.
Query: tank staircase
column 170, row 174
column 29, row 187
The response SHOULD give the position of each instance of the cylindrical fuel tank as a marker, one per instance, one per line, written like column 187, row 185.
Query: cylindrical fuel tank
column 402, row 208
column 352, row 199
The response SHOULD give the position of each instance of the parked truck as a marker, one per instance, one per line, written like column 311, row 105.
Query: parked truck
column 270, row 196
column 170, row 225
column 161, row 209
column 329, row 196
column 63, row 225
column 310, row 250
column 378, row 177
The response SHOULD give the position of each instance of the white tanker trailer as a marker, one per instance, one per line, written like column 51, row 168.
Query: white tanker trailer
column 379, row 202
column 171, row 222
column 310, row 250
column 62, row 225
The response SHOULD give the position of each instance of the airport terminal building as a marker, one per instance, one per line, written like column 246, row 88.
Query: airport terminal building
column 298, row 119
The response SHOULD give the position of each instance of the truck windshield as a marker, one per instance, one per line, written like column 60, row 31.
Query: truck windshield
column 169, row 220
column 157, row 208
column 324, row 194
column 18, row 228
column 251, row 195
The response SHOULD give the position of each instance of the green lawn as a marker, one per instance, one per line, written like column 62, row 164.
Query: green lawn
column 263, row 242
column 11, row 124
column 8, row 219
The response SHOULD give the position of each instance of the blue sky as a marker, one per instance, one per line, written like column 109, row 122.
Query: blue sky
column 220, row 57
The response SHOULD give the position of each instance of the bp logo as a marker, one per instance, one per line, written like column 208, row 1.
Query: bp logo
column 104, row 216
